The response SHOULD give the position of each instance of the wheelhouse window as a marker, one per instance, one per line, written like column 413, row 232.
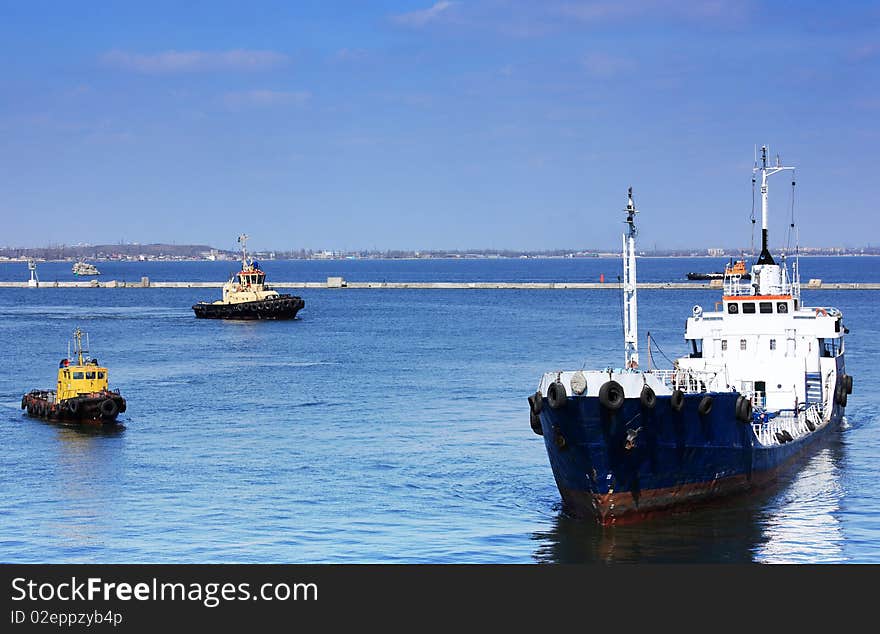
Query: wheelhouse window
column 724, row 344
column 749, row 307
column 742, row 344
column 765, row 307
column 773, row 344
column 90, row 376
column 100, row 375
column 78, row 375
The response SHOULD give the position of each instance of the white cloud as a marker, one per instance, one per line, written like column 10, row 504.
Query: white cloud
column 264, row 98
column 194, row 61
column 422, row 17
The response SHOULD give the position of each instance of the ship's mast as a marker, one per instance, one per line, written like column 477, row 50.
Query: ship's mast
column 630, row 316
column 243, row 238
column 766, row 172
column 77, row 335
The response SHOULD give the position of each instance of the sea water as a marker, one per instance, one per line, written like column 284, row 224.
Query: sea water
column 381, row 425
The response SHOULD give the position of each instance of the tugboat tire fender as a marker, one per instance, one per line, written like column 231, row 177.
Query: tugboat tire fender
column 611, row 395
column 847, row 382
column 676, row 401
column 73, row 406
column 705, row 406
column 23, row 402
column 648, row 398
column 556, row 395
column 109, row 408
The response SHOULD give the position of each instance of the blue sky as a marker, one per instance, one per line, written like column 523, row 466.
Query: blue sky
column 434, row 124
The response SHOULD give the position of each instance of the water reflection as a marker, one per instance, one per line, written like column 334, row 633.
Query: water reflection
column 89, row 477
column 804, row 524
column 795, row 520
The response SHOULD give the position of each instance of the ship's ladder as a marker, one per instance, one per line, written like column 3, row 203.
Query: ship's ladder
column 814, row 387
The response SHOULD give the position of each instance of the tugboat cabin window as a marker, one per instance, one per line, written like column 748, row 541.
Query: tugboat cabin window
column 100, row 375
column 773, row 344
column 782, row 307
column 77, row 375
column 742, row 344
column 724, row 344
column 697, row 346
column 766, row 307
column 749, row 307
column 90, row 376
column 733, row 308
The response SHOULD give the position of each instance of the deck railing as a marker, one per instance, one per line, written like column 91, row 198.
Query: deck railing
column 796, row 423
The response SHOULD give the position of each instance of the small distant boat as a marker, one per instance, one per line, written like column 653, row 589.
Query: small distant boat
column 81, row 267
column 82, row 395
column 732, row 268
column 247, row 296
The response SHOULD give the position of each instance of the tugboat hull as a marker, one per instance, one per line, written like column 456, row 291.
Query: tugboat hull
column 632, row 464
column 281, row 307
column 97, row 409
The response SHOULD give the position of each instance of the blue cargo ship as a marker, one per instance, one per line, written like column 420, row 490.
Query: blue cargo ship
column 763, row 380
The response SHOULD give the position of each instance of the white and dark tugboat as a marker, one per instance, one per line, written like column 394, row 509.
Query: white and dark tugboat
column 765, row 378
column 247, row 296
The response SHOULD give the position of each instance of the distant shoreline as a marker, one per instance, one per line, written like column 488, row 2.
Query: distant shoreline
column 605, row 256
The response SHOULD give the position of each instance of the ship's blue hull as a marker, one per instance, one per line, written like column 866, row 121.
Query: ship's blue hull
column 626, row 465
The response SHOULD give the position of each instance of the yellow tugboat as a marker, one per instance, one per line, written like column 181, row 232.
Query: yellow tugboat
column 82, row 395
column 247, row 296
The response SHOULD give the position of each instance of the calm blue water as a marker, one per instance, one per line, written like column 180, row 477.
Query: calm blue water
column 382, row 426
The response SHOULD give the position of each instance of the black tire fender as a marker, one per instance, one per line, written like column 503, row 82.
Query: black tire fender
column 705, row 406
column 536, row 401
column 611, row 395
column 744, row 409
column 556, row 395
column 535, row 422
column 648, row 398
column 840, row 393
column 109, row 408
column 676, row 401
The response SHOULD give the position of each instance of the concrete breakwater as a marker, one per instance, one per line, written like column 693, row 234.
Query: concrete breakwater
column 339, row 283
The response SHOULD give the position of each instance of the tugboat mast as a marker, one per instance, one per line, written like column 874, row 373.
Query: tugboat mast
column 77, row 335
column 766, row 172
column 630, row 317
column 243, row 238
